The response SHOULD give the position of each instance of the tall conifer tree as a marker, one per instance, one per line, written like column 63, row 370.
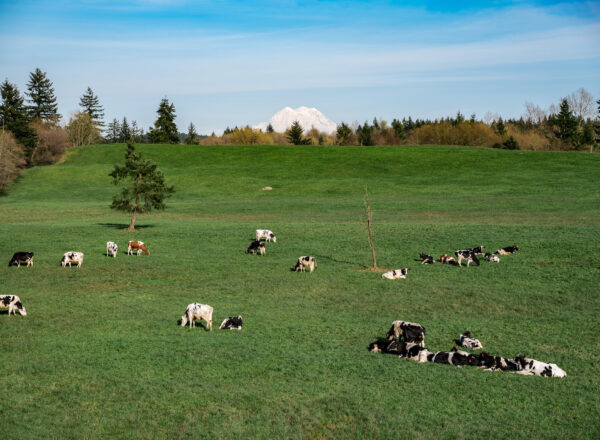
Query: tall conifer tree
column 164, row 130
column 41, row 97
column 14, row 118
column 91, row 105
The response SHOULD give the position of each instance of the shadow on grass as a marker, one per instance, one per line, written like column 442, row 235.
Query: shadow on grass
column 353, row 263
column 123, row 226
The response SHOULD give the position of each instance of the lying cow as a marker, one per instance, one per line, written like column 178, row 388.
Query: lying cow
column 447, row 259
column 111, row 249
column 266, row 234
column 396, row 274
column 409, row 331
column 492, row 258
column 493, row 363
column 232, row 323
column 507, row 250
column 137, row 246
column 426, row 259
column 12, row 303
column 468, row 255
column 382, row 345
column 197, row 311
column 413, row 351
column 19, row 258
column 256, row 246
column 467, row 341
column 304, row 262
column 537, row 368
column 454, row 357
column 72, row 257
column 477, row 250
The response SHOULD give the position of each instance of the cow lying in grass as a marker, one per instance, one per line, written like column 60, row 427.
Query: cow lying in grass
column 407, row 332
column 426, row 259
column 507, row 250
column 454, row 357
column 467, row 341
column 492, row 258
column 111, row 249
column 408, row 350
column 447, row 259
column 12, row 303
column 19, row 258
column 72, row 257
column 266, row 234
column 232, row 323
column 137, row 246
column 304, row 262
column 537, row 368
column 197, row 311
column 256, row 246
column 395, row 274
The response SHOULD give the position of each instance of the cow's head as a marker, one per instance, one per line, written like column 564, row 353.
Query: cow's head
column 184, row 320
column 273, row 238
column 63, row 262
column 21, row 309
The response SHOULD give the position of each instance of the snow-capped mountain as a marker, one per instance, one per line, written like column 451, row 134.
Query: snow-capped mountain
column 307, row 117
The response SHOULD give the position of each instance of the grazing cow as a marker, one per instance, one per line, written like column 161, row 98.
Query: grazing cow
column 21, row 257
column 232, row 323
column 426, row 259
column 72, row 257
column 266, row 234
column 537, row 368
column 413, row 351
column 395, row 274
column 468, row 255
column 410, row 332
column 493, row 363
column 304, row 262
column 138, row 246
column 197, row 311
column 492, row 258
column 467, row 341
column 12, row 303
column 507, row 250
column 256, row 246
column 447, row 259
column 111, row 249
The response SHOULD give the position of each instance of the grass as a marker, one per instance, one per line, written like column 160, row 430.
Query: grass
column 100, row 353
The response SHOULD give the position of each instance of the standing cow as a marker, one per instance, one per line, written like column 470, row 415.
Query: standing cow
column 304, row 262
column 137, row 246
column 72, row 257
column 19, row 258
column 111, row 249
column 12, row 303
column 197, row 311
column 266, row 234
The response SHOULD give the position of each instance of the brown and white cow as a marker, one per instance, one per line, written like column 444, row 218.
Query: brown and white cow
column 137, row 246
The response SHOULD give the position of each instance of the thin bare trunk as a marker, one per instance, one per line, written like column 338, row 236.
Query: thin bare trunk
column 132, row 224
column 368, row 210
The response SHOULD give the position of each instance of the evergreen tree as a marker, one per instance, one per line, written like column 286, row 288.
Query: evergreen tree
column 294, row 135
column 511, row 144
column 565, row 124
column 227, row 131
column 499, row 127
column 343, row 134
column 14, row 118
column 398, row 128
column 192, row 135
column 365, row 135
column 270, row 128
column 136, row 132
column 113, row 132
column 125, row 133
column 91, row 105
column 41, row 96
column 375, row 123
column 164, row 130
column 588, row 137
column 145, row 188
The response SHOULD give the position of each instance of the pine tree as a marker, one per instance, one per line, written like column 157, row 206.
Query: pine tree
column 113, row 132
column 125, row 133
column 136, row 132
column 511, row 144
column 588, row 135
column 343, row 134
column 41, row 96
column 294, row 135
column 164, row 130
column 365, row 135
column 14, row 118
column 145, row 188
column 192, row 135
column 398, row 128
column 565, row 124
column 499, row 127
column 91, row 105
column 270, row 128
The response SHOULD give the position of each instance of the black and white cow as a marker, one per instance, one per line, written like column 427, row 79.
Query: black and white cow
column 232, row 323
column 468, row 255
column 493, row 363
column 72, row 257
column 477, row 250
column 12, row 303
column 304, row 262
column 507, row 250
column 197, row 311
column 19, row 258
column 256, row 246
column 413, row 351
column 426, row 259
column 409, row 331
column 395, row 274
column 266, row 234
column 453, row 357
column 537, row 368
column 467, row 341
column 382, row 345
column 492, row 258
column 111, row 249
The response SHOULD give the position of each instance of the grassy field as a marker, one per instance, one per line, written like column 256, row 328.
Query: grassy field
column 100, row 353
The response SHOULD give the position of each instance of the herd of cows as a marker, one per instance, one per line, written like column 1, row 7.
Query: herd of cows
column 405, row 339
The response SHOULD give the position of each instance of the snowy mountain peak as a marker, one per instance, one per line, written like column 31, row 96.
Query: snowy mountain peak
column 307, row 117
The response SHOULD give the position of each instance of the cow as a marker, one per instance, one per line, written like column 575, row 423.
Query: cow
column 477, row 250
column 138, row 246
column 266, row 234
column 426, row 259
column 395, row 274
column 492, row 258
column 304, row 262
column 467, row 341
column 12, row 303
column 468, row 255
column 384, row 346
column 507, row 250
column 197, row 311
column 537, row 368
column 447, row 259
column 72, row 257
column 453, row 357
column 232, row 323
column 413, row 351
column 409, row 331
column 111, row 249
column 256, row 246
column 493, row 363
column 21, row 257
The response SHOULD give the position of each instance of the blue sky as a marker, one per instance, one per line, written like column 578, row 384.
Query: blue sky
column 226, row 63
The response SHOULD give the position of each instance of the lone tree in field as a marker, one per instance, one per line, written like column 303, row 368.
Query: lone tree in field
column 294, row 135
column 90, row 104
column 164, row 130
column 41, row 96
column 145, row 188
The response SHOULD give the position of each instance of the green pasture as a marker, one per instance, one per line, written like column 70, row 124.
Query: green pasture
column 100, row 354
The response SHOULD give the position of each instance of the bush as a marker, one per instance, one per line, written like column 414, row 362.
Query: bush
column 82, row 130
column 511, row 144
column 12, row 159
column 52, row 142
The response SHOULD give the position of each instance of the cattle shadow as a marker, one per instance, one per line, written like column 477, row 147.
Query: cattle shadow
column 335, row 260
column 198, row 324
column 123, row 226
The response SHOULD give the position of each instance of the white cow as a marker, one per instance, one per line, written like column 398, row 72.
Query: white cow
column 197, row 311
column 266, row 234
column 111, row 248
column 304, row 262
column 537, row 368
column 12, row 303
column 72, row 257
column 395, row 274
